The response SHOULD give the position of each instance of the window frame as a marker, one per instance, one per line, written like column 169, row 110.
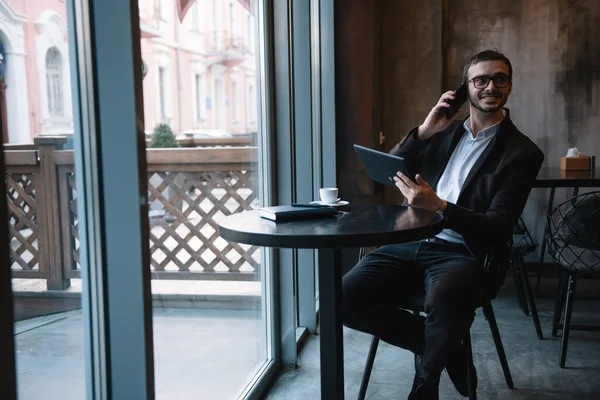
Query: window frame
column 116, row 296
column 55, row 87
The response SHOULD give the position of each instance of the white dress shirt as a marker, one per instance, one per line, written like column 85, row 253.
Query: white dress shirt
column 462, row 160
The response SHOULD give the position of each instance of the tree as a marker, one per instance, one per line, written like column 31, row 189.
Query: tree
column 163, row 137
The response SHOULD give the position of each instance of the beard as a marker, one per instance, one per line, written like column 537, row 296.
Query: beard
column 478, row 103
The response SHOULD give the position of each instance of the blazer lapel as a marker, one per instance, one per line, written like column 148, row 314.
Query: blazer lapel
column 505, row 127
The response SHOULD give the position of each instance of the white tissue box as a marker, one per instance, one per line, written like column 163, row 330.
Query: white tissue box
column 581, row 163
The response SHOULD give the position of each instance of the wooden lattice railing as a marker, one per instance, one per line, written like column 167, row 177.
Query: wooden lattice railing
column 190, row 189
column 22, row 170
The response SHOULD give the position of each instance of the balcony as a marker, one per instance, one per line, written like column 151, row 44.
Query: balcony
column 225, row 49
column 189, row 190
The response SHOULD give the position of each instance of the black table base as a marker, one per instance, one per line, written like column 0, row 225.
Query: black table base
column 330, row 317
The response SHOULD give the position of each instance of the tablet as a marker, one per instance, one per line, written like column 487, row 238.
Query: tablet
column 382, row 167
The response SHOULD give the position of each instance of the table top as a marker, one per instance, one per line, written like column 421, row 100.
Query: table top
column 556, row 177
column 353, row 226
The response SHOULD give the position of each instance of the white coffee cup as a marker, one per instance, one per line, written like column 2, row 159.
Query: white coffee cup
column 328, row 195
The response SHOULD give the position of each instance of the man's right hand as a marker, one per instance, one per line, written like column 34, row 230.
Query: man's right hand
column 436, row 121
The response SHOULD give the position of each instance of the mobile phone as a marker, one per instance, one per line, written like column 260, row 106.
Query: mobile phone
column 460, row 97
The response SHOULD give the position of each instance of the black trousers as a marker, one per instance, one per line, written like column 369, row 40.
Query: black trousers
column 447, row 273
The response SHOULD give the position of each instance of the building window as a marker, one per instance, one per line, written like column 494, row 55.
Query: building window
column 249, row 32
column 251, row 108
column 162, row 93
column 215, row 15
column 54, row 83
column 199, row 100
column 158, row 9
column 195, row 17
column 218, row 105
column 231, row 19
column 234, row 111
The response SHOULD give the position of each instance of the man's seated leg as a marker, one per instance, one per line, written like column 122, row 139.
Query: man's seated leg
column 454, row 289
column 375, row 287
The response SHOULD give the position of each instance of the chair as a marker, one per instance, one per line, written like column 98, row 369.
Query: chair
column 495, row 266
column 573, row 237
column 523, row 244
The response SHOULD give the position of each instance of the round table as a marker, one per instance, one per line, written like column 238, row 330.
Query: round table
column 354, row 226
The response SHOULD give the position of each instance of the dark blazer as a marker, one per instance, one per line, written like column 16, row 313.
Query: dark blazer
column 496, row 189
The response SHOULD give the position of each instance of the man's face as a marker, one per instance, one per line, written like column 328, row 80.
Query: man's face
column 484, row 79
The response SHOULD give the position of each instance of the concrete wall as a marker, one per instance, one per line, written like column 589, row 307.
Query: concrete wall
column 554, row 46
column 355, row 71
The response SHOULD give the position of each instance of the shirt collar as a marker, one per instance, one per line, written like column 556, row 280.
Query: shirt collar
column 484, row 133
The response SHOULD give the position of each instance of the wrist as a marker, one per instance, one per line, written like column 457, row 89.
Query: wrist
column 422, row 133
column 442, row 207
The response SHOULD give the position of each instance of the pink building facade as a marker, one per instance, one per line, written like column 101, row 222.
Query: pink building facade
column 201, row 74
column 37, row 75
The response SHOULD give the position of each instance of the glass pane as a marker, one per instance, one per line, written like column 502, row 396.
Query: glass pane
column 210, row 329
column 37, row 114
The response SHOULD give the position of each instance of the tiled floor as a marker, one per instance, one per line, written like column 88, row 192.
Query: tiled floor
column 199, row 354
column 211, row 354
column 533, row 362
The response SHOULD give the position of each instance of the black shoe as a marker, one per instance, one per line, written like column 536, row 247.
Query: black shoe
column 456, row 367
column 424, row 389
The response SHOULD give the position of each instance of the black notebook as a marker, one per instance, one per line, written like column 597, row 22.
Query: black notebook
column 292, row 213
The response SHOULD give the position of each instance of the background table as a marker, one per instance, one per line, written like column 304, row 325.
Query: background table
column 554, row 177
column 358, row 226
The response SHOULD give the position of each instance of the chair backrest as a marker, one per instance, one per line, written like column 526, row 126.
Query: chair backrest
column 573, row 233
column 523, row 241
column 495, row 267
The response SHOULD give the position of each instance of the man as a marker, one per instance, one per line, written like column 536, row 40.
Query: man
column 478, row 174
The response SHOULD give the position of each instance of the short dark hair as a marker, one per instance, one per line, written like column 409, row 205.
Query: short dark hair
column 487, row 55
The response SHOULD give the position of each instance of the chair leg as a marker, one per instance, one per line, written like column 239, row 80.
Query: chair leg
column 519, row 285
column 368, row 368
column 470, row 372
column 561, row 292
column 567, row 321
column 489, row 313
column 527, row 286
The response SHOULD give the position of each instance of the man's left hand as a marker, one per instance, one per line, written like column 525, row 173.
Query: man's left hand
column 418, row 195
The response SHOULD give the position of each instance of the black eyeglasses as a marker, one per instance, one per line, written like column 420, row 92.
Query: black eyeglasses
column 481, row 82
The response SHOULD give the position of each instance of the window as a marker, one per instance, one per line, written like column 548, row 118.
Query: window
column 162, row 93
column 195, row 17
column 248, row 38
column 164, row 213
column 234, row 111
column 226, row 285
column 158, row 9
column 54, row 83
column 218, row 104
column 215, row 15
column 36, row 109
column 251, row 108
column 199, row 99
column 231, row 19
column 50, row 60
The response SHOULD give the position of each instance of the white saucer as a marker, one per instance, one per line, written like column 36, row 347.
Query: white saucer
column 340, row 203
